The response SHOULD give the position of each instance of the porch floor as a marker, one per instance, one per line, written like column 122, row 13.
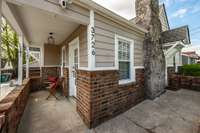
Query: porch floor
column 173, row 112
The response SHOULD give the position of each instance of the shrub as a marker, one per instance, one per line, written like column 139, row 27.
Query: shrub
column 190, row 70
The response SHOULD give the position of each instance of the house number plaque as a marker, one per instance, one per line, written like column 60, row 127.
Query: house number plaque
column 93, row 40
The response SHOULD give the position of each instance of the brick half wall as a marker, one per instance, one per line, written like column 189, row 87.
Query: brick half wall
column 177, row 82
column 100, row 97
column 12, row 107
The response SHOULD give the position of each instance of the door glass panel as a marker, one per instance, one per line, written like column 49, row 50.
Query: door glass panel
column 75, row 64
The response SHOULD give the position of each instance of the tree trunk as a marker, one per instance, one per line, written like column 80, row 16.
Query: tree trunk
column 154, row 60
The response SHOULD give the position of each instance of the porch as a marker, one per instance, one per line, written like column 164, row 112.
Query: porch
column 55, row 38
column 52, row 39
column 166, row 114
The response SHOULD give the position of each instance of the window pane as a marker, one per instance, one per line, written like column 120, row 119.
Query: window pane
column 124, row 70
column 124, row 51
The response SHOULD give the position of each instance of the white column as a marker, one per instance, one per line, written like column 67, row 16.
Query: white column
column 181, row 59
column 42, row 56
column 166, row 73
column 27, row 61
column 0, row 36
column 20, row 60
column 91, row 42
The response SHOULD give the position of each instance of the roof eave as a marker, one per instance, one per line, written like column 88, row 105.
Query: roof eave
column 109, row 14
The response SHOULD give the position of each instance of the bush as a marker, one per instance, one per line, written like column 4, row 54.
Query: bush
column 190, row 70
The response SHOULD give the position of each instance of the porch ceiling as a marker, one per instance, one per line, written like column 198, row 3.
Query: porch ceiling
column 38, row 24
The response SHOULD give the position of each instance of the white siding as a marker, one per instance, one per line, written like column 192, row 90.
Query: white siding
column 163, row 19
column 105, row 42
column 80, row 32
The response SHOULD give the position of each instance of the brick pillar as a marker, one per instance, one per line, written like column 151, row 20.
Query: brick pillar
column 100, row 97
column 66, row 82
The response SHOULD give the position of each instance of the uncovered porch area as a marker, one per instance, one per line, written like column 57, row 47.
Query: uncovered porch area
column 166, row 114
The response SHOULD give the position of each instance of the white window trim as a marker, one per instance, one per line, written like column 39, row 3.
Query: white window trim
column 132, row 69
column 63, row 54
column 75, row 40
column 41, row 53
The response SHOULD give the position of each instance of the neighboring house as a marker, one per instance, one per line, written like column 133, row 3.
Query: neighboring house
column 99, row 53
column 190, row 57
column 174, row 40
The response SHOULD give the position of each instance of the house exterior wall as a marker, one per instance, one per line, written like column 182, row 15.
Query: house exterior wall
column 163, row 19
column 100, row 97
column 178, row 60
column 99, row 94
column 79, row 12
column 105, row 42
column 188, row 60
column 185, row 60
column 80, row 32
column 52, row 55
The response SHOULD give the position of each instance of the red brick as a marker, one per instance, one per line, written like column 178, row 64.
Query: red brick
column 100, row 97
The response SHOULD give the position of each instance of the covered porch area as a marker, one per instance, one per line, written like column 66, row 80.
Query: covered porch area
column 42, row 116
column 57, row 39
column 53, row 39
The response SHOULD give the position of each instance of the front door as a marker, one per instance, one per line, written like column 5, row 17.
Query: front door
column 73, row 66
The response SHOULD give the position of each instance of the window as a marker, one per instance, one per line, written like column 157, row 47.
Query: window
column 35, row 57
column 124, row 59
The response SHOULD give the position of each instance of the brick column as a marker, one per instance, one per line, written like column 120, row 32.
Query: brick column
column 66, row 82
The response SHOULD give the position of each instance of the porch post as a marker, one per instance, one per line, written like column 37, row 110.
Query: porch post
column 62, row 61
column 27, row 61
column 20, row 60
column 166, row 72
column 91, row 42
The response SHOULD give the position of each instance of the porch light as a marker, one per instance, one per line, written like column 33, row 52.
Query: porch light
column 51, row 39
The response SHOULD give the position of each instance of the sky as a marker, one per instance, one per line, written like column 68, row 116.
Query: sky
column 180, row 13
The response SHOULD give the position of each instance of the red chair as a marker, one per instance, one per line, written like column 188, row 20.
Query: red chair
column 52, row 87
column 52, row 79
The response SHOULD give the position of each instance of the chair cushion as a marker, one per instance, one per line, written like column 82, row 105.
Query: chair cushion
column 52, row 79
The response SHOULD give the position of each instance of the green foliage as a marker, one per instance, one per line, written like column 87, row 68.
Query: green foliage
column 190, row 70
column 10, row 43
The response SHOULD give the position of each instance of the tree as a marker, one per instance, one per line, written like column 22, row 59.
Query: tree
column 154, row 60
column 10, row 44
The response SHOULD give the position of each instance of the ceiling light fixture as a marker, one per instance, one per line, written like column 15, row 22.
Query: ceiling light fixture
column 51, row 39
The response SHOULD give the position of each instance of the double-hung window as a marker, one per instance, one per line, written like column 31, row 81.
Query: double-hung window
column 124, row 55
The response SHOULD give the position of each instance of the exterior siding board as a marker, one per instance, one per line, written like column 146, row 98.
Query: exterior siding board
column 78, row 12
column 78, row 9
column 80, row 32
column 163, row 19
column 105, row 42
column 52, row 55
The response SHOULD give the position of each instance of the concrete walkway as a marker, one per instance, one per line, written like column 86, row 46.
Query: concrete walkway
column 173, row 112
